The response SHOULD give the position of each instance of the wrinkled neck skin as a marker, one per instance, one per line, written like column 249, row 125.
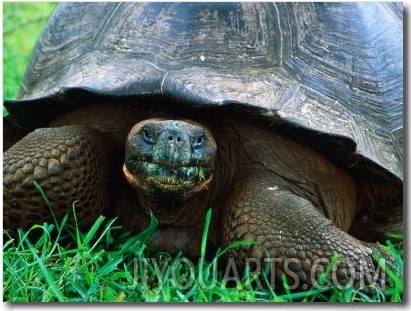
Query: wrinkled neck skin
column 176, row 211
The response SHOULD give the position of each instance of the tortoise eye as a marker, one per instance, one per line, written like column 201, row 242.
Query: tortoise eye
column 199, row 141
column 148, row 137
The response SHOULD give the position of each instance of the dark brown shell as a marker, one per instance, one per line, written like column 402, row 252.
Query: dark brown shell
column 330, row 72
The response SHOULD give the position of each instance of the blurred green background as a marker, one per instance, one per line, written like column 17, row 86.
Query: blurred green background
column 22, row 25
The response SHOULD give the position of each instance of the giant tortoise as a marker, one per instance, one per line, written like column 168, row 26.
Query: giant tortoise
column 285, row 119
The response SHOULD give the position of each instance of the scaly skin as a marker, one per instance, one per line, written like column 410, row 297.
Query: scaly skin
column 263, row 186
column 71, row 164
column 293, row 237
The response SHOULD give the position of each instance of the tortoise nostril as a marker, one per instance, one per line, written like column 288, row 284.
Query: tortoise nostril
column 174, row 138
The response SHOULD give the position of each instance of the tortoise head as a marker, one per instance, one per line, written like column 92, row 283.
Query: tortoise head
column 169, row 159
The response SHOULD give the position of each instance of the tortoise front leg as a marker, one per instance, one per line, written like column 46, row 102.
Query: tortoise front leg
column 70, row 164
column 294, row 238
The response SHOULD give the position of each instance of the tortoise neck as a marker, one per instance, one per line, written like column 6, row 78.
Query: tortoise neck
column 176, row 211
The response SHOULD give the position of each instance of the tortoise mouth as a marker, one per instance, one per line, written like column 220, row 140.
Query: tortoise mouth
column 174, row 176
column 159, row 181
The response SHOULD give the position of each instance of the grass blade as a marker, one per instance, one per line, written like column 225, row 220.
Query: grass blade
column 49, row 278
column 205, row 233
column 92, row 232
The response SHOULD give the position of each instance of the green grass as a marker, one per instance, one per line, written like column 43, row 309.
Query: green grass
column 105, row 264
column 22, row 25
